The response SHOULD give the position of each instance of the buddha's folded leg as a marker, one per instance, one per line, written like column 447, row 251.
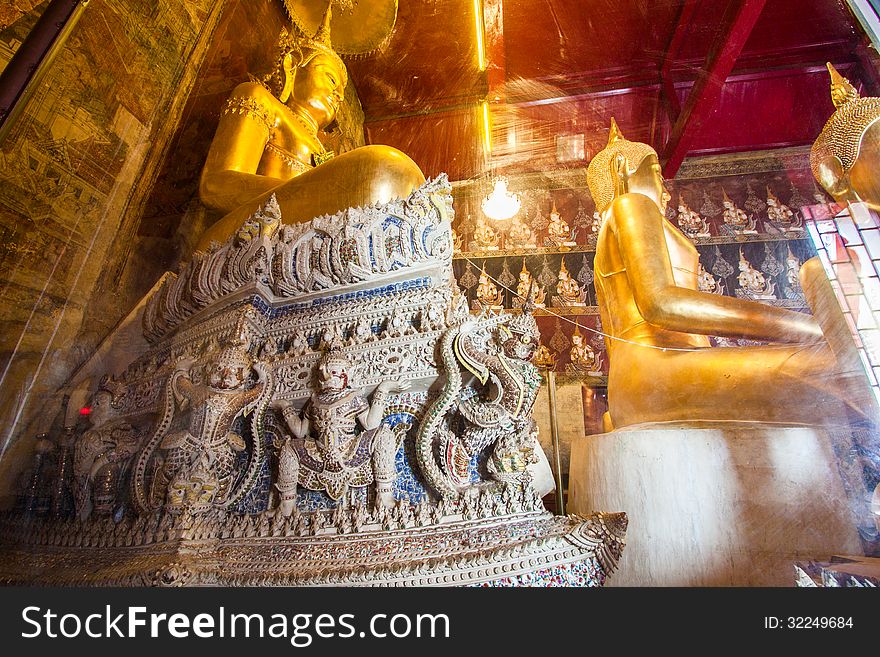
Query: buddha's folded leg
column 364, row 176
column 787, row 383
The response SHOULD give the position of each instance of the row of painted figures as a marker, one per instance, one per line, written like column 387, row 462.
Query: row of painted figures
column 488, row 236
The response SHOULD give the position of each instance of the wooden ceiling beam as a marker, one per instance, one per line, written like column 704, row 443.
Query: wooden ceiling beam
column 670, row 99
column 706, row 92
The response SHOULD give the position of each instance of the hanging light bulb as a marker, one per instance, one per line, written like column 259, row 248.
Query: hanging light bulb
column 501, row 204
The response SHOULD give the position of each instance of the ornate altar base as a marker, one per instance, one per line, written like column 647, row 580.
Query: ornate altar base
column 309, row 404
column 716, row 504
column 526, row 549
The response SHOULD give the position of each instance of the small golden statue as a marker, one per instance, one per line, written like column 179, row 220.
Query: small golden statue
column 559, row 234
column 485, row 237
column 690, row 222
column 846, row 156
column 736, row 219
column 706, row 282
column 781, row 214
column 752, row 283
column 526, row 287
column 568, row 290
column 662, row 366
column 267, row 143
column 488, row 295
column 520, row 236
column 583, row 359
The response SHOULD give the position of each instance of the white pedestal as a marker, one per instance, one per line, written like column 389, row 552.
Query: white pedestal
column 715, row 504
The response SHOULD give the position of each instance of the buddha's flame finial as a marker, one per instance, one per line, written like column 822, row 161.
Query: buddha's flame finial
column 614, row 133
column 322, row 36
column 842, row 91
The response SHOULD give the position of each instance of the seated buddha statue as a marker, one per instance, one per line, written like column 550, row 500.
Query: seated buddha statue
column 568, row 290
column 559, row 233
column 526, row 287
column 657, row 322
column 267, row 143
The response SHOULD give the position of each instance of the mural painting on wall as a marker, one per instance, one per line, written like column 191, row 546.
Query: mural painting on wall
column 69, row 167
column 748, row 230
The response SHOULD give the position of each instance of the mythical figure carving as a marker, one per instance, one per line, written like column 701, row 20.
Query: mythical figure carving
column 498, row 351
column 583, row 358
column 101, row 458
column 194, row 468
column 333, row 455
column 520, row 235
column 486, row 238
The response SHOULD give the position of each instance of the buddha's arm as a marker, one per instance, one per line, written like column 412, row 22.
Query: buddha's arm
column 230, row 177
column 661, row 302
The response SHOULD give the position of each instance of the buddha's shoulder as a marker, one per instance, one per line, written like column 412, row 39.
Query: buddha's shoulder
column 633, row 203
column 256, row 92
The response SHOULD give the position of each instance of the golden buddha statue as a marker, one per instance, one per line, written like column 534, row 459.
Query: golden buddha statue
column 488, row 295
column 267, row 143
column 485, row 237
column 752, row 283
column 520, row 236
column 559, row 233
column 583, row 359
column 779, row 213
column 568, row 290
column 662, row 367
column 690, row 222
column 735, row 218
column 706, row 282
column 846, row 156
column 527, row 287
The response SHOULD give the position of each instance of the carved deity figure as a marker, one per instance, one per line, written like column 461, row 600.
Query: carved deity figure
column 706, row 282
column 583, row 358
column 267, row 143
column 520, row 235
column 101, row 458
column 779, row 213
column 690, row 222
column 338, row 430
column 752, row 283
column 198, row 462
column 488, row 294
column 559, row 234
column 486, row 238
column 735, row 218
column 646, row 284
column 568, row 290
column 527, row 289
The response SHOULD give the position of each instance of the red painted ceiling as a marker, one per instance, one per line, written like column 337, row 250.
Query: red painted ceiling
column 561, row 67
